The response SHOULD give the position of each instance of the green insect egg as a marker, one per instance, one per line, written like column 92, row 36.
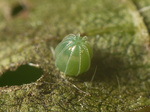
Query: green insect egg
column 73, row 55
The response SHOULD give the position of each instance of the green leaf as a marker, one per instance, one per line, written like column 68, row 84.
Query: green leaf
column 119, row 77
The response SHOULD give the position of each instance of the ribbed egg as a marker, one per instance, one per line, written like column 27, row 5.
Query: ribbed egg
column 73, row 55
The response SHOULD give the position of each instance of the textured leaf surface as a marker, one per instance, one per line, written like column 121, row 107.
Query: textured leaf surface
column 144, row 8
column 119, row 77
